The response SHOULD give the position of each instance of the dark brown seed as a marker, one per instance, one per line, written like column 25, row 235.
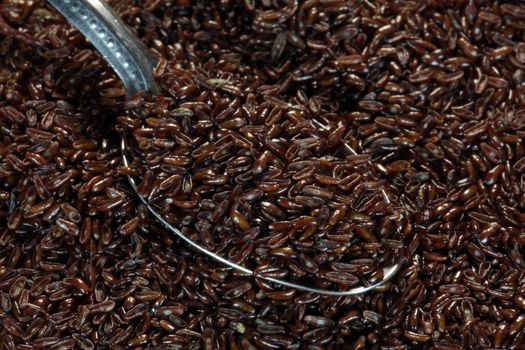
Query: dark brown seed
column 82, row 342
column 102, row 307
column 340, row 277
column 279, row 44
column 12, row 327
column 129, row 227
column 71, row 213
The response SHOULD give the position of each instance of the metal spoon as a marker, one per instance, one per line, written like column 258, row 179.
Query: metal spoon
column 134, row 64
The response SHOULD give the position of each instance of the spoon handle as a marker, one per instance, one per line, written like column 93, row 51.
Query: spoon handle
column 127, row 55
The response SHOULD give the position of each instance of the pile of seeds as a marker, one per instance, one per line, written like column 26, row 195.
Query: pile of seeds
column 310, row 141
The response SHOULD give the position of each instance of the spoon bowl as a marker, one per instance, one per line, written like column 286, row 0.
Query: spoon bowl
column 134, row 64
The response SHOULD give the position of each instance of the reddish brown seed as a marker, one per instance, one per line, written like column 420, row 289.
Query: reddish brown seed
column 519, row 166
column 340, row 277
column 71, row 213
column 327, row 180
column 237, row 291
column 129, row 227
column 166, row 311
column 68, row 226
column 279, row 45
column 82, row 342
column 12, row 327
column 281, row 295
column 262, row 162
column 17, row 287
column 240, row 220
column 317, row 192
column 15, row 219
column 45, row 342
column 80, row 285
column 319, row 321
column 417, row 337
column 148, row 295
column 101, row 307
column 454, row 289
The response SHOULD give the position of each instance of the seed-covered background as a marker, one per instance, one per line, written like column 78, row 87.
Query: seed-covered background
column 248, row 152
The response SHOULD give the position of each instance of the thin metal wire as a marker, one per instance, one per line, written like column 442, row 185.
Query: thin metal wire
column 388, row 272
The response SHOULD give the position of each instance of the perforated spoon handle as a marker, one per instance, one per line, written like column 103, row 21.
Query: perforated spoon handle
column 127, row 55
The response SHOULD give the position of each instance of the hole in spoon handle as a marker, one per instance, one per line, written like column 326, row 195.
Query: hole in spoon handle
column 127, row 55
